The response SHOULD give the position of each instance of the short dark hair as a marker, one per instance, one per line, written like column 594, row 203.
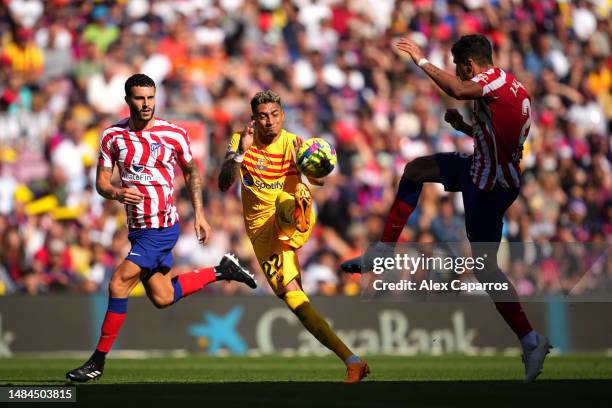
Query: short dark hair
column 474, row 46
column 262, row 97
column 137, row 80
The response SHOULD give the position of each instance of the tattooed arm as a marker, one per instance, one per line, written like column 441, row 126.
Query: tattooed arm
column 229, row 172
column 110, row 192
column 194, row 186
column 450, row 84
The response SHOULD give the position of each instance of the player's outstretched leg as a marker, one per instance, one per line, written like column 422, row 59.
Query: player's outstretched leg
column 303, row 207
column 229, row 269
column 298, row 302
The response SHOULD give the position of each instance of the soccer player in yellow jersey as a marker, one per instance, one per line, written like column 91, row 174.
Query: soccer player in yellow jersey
column 278, row 214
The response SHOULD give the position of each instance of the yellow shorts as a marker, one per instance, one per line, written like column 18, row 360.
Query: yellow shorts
column 276, row 242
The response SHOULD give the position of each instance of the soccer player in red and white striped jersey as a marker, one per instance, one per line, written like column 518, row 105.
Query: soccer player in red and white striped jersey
column 145, row 150
column 489, row 180
column 503, row 118
column 146, row 161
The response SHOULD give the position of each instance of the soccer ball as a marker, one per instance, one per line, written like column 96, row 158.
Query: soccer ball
column 316, row 158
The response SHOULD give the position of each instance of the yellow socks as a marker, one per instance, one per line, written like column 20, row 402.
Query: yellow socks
column 299, row 303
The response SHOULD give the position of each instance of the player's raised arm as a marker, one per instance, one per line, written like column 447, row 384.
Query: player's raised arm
column 233, row 157
column 458, row 88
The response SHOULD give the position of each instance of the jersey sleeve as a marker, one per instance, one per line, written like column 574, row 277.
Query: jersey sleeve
column 106, row 157
column 480, row 79
column 183, row 149
column 234, row 142
column 490, row 81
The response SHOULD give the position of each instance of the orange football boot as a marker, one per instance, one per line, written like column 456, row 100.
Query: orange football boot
column 303, row 207
column 356, row 372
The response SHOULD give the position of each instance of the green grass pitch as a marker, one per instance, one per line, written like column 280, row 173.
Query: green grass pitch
column 423, row 381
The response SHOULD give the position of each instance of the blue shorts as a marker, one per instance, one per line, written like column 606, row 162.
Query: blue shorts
column 152, row 247
column 484, row 210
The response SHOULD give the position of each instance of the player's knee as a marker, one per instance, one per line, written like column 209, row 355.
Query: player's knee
column 413, row 169
column 160, row 296
column 162, row 300
column 117, row 287
column 420, row 170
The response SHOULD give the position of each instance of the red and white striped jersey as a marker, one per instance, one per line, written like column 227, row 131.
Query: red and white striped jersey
column 502, row 118
column 146, row 161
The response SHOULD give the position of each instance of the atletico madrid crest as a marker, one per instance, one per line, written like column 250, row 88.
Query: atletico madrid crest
column 156, row 149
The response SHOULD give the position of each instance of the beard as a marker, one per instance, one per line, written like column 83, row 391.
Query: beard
column 143, row 116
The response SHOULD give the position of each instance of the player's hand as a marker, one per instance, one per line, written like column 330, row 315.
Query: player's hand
column 453, row 118
column 408, row 46
column 246, row 137
column 202, row 229
column 129, row 196
column 297, row 143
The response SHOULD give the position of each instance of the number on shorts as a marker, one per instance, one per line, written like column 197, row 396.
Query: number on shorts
column 272, row 265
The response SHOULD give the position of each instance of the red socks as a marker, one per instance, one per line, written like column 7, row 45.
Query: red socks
column 405, row 202
column 398, row 215
column 513, row 313
column 115, row 315
column 188, row 283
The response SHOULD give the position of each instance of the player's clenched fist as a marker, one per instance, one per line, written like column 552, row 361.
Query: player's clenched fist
column 453, row 118
column 129, row 196
column 246, row 137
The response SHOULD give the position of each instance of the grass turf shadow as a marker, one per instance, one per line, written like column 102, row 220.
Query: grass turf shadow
column 557, row 393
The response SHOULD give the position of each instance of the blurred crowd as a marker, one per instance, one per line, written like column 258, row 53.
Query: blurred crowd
column 63, row 65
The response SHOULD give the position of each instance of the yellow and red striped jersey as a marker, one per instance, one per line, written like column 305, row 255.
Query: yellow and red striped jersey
column 265, row 172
